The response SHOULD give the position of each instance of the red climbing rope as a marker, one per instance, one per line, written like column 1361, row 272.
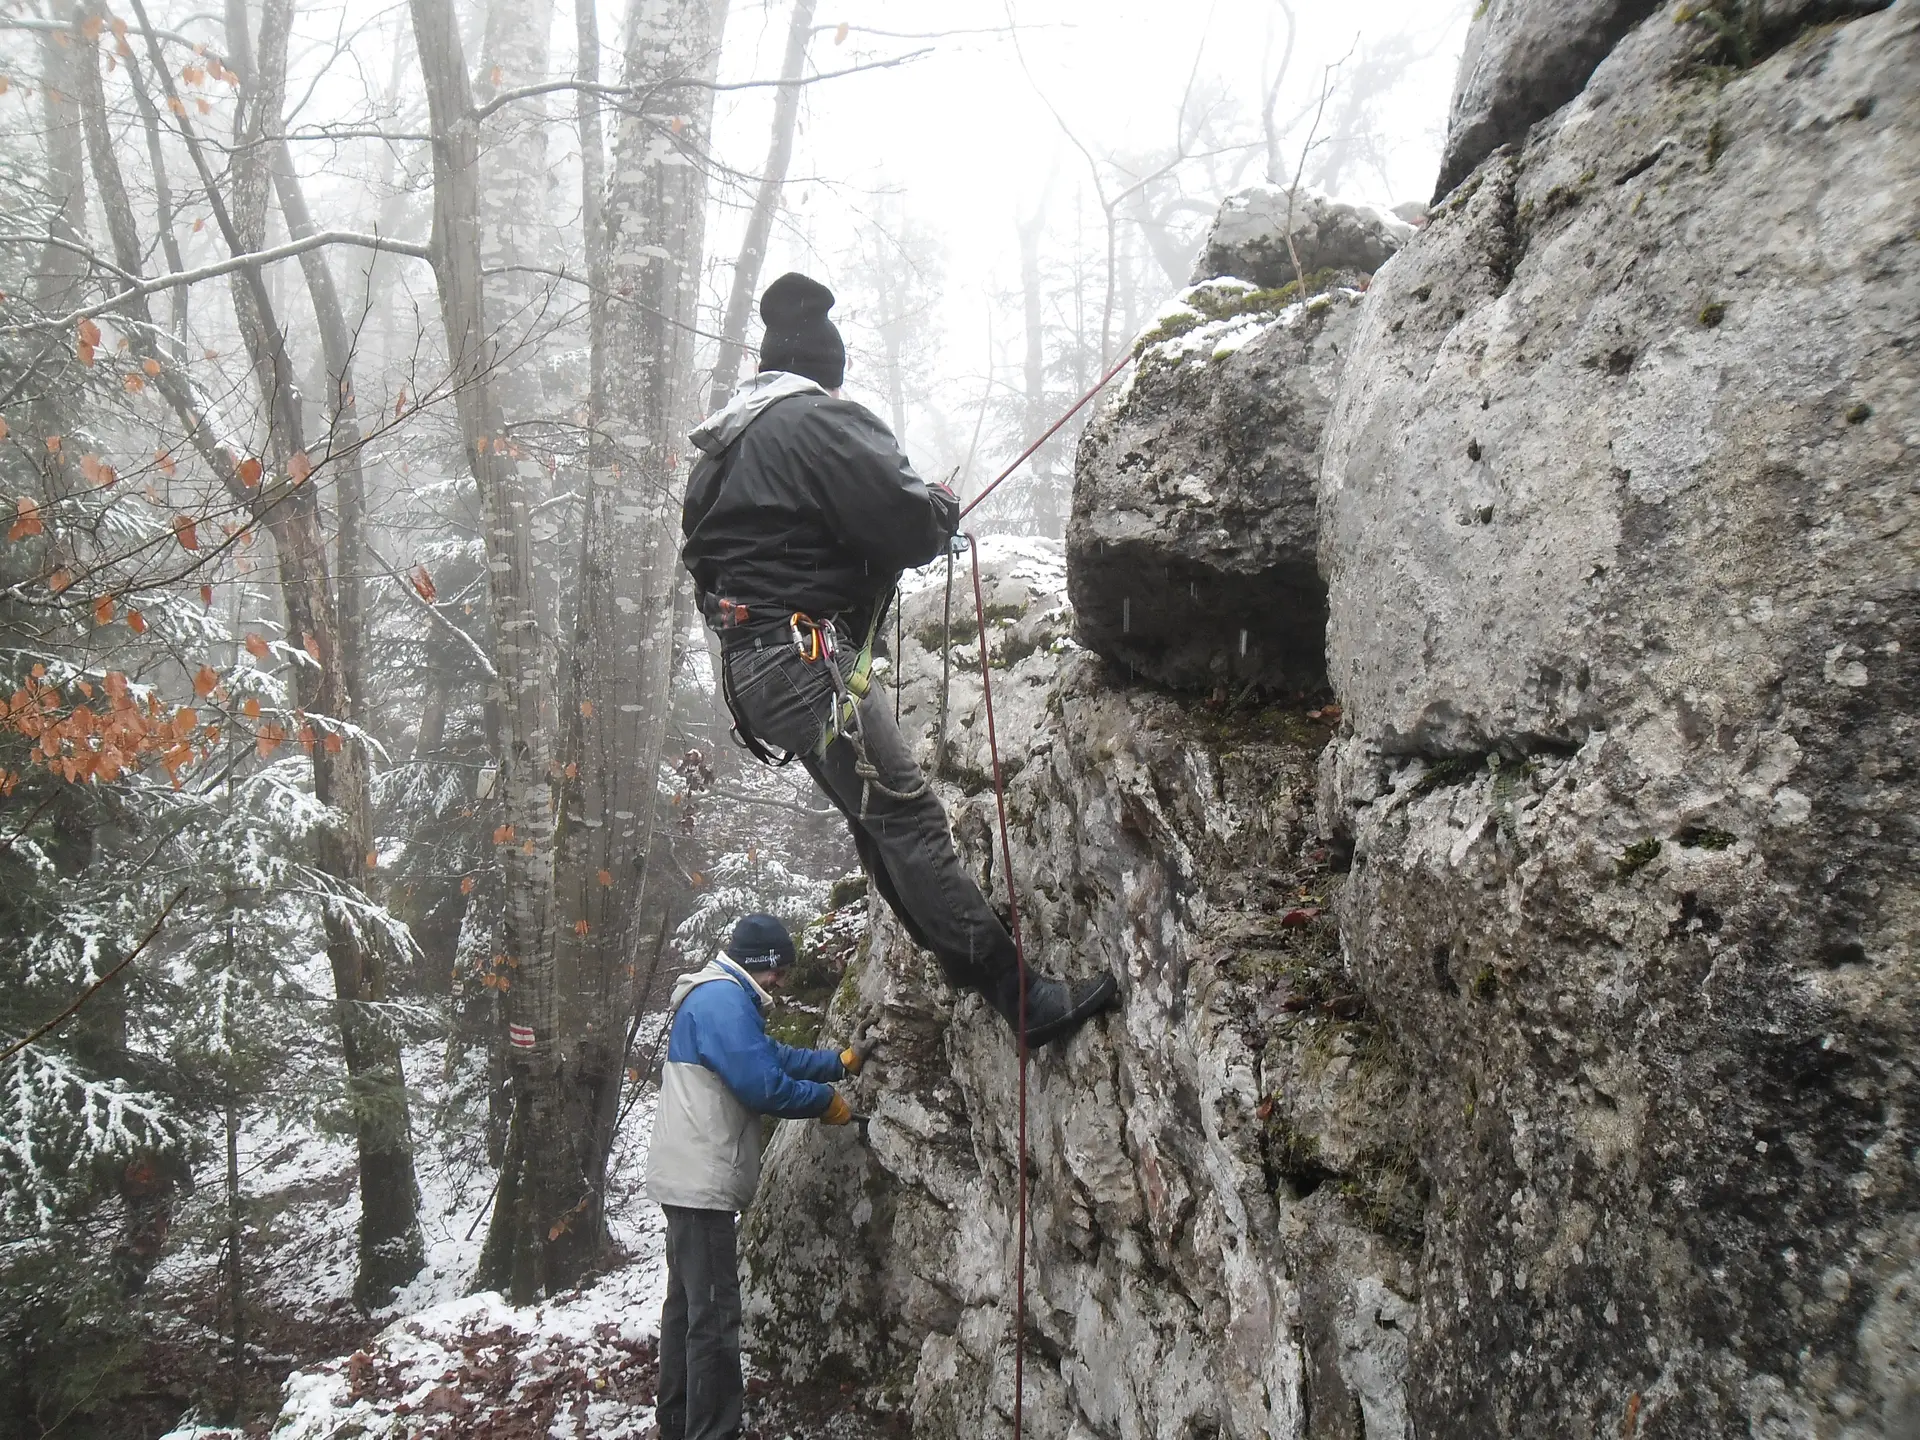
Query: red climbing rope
column 1013, row 899
column 1099, row 385
column 1020, row 956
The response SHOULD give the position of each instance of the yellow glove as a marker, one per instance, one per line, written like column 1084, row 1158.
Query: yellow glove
column 855, row 1055
column 837, row 1111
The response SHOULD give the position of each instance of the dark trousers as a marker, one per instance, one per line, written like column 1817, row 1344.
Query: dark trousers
column 700, row 1385
column 904, row 845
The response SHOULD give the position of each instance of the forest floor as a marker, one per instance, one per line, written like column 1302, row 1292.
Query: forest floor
column 437, row 1361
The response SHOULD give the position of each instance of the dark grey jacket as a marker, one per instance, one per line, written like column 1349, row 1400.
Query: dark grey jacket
column 804, row 502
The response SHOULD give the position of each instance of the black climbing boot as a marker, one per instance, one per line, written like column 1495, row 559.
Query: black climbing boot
column 1055, row 1011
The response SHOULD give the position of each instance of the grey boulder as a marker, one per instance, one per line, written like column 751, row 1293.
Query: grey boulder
column 1248, row 238
column 1190, row 550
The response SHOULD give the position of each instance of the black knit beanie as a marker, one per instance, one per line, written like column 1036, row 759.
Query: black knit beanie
column 760, row 942
column 800, row 338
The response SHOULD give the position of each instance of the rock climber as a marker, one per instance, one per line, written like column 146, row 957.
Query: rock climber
column 800, row 515
column 722, row 1073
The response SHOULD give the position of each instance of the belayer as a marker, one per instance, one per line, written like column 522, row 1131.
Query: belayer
column 722, row 1073
column 799, row 517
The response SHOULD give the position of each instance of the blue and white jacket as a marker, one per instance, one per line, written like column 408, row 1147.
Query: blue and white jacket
column 724, row 1072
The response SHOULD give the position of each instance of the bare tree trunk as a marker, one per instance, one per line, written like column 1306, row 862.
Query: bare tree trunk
column 535, row 1189
column 516, row 196
column 288, row 507
column 61, row 269
column 623, row 670
column 766, row 203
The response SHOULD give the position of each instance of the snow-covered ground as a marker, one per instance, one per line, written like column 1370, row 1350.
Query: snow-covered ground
column 583, row 1364
column 300, row 1187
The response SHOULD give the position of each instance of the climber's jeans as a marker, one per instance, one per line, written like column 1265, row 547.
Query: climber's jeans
column 904, row 845
column 700, row 1386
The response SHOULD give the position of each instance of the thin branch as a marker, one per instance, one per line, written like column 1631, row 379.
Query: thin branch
column 221, row 267
column 788, row 806
column 1293, row 190
column 433, row 613
column 629, row 92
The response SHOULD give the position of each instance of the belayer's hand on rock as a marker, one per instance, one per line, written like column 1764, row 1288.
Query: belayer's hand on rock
column 856, row 1055
column 837, row 1112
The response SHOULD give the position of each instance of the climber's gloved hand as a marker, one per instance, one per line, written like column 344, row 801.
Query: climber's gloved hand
column 855, row 1055
column 838, row 1112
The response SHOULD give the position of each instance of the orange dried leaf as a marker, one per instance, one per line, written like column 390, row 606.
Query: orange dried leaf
column 299, row 467
column 249, row 472
column 586, row 708
column 185, row 533
column 840, row 35
column 580, row 927
column 164, row 459
column 151, row 366
column 103, row 610
column 3, row 427
column 267, row 739
column 89, row 333
column 256, row 647
column 606, row 877
column 502, row 834
column 205, row 681
column 58, row 581
column 92, row 26
column 84, row 353
column 28, row 522
column 334, row 744
column 373, row 859
column 250, row 707
column 423, row 583
column 311, row 645
column 466, row 884
column 133, row 384
column 202, row 106
column 136, row 622
column 53, row 444
column 306, row 738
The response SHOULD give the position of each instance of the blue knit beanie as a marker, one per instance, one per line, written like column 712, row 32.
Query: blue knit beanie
column 760, row 942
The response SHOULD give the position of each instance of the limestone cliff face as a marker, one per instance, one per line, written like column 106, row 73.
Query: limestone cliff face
column 1618, row 519
column 1523, row 1047
column 1205, row 1261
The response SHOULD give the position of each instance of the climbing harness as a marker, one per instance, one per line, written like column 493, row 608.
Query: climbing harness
column 814, row 639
